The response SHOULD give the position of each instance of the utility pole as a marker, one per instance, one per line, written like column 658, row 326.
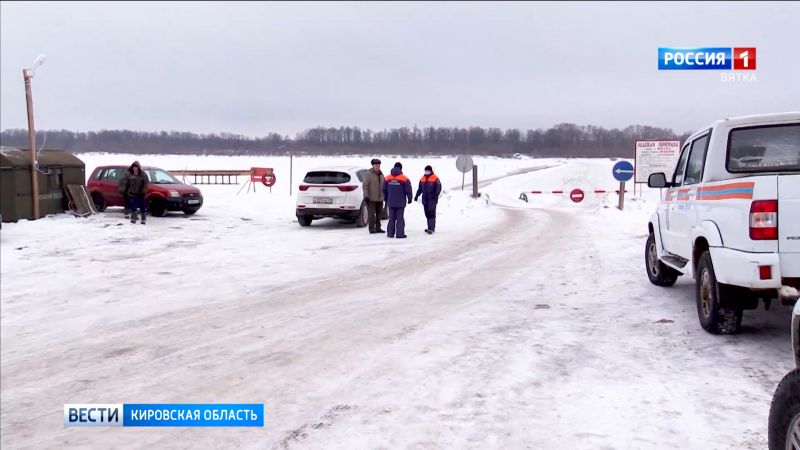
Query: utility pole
column 27, row 75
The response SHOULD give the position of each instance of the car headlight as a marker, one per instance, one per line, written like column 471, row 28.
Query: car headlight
column 174, row 194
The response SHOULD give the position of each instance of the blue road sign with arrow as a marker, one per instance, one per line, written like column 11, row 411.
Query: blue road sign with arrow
column 622, row 171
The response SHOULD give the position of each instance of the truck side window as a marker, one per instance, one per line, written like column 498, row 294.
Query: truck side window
column 697, row 160
column 677, row 178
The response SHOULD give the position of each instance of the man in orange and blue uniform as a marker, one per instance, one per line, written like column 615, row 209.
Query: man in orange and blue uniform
column 429, row 188
column 396, row 191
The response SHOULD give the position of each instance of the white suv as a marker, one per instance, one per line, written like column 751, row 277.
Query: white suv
column 332, row 192
column 730, row 217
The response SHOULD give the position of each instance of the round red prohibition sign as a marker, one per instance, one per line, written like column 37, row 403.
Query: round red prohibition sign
column 576, row 195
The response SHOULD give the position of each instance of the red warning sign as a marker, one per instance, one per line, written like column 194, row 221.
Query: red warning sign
column 576, row 195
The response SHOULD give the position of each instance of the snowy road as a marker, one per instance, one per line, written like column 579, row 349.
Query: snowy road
column 516, row 326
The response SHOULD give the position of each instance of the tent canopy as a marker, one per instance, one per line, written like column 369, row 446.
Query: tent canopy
column 16, row 158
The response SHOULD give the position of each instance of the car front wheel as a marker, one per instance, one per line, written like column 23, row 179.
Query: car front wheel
column 714, row 308
column 784, row 414
column 157, row 208
column 659, row 273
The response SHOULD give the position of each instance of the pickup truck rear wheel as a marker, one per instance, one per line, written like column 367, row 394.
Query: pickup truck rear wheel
column 784, row 413
column 659, row 273
column 714, row 310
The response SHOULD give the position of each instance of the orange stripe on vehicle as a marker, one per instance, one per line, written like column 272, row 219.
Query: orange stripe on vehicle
column 726, row 196
column 721, row 187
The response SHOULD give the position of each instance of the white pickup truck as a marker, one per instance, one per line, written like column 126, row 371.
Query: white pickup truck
column 730, row 218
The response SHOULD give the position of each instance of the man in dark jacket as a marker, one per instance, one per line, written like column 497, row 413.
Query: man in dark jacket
column 429, row 187
column 397, row 190
column 137, row 188
column 373, row 195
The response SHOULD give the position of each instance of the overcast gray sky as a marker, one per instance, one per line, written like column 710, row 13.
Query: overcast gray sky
column 256, row 67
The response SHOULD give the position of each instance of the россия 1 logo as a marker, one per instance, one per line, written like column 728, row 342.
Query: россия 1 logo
column 739, row 62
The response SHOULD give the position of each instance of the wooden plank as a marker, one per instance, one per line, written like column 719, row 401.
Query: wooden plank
column 82, row 204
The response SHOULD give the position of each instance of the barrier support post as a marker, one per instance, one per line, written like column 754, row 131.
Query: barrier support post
column 475, row 181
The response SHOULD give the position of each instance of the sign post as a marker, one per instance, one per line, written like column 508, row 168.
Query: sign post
column 464, row 164
column 622, row 172
column 475, row 182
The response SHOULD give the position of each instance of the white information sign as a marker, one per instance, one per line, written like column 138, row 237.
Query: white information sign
column 655, row 156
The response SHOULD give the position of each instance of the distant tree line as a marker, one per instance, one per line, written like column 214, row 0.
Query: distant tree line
column 563, row 140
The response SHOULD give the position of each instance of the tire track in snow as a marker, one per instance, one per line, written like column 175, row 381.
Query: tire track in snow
column 181, row 344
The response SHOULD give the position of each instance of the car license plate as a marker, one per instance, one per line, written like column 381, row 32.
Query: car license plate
column 193, row 202
column 323, row 200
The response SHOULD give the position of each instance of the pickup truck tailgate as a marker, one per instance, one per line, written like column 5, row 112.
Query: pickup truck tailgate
column 789, row 224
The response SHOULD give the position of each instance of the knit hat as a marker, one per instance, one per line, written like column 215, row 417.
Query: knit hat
column 397, row 164
column 429, row 168
column 375, row 161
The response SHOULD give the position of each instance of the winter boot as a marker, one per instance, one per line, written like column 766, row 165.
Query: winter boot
column 144, row 216
column 134, row 217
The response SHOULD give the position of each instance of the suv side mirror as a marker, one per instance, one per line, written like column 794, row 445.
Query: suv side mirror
column 657, row 180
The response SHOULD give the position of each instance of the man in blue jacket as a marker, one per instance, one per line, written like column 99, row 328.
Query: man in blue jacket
column 397, row 192
column 429, row 188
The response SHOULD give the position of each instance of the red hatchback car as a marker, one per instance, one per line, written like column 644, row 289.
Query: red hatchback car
column 164, row 192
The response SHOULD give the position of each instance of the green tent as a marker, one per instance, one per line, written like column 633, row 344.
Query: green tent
column 57, row 169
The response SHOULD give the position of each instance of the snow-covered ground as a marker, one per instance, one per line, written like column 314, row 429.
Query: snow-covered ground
column 517, row 325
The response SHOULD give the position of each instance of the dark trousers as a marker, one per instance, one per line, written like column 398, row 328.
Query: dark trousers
column 126, row 201
column 374, row 210
column 136, row 201
column 430, row 214
column 397, row 222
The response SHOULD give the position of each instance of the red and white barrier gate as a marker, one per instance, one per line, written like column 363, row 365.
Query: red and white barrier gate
column 576, row 195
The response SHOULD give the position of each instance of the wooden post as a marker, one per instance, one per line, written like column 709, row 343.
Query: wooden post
column 32, row 144
column 622, row 195
column 475, row 181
